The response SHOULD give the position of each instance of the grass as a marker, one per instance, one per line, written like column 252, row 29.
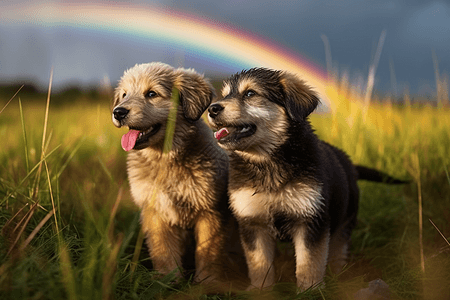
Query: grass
column 69, row 229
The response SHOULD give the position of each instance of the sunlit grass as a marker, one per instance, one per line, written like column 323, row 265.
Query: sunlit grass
column 95, row 253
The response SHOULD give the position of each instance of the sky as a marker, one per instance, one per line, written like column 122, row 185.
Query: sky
column 415, row 32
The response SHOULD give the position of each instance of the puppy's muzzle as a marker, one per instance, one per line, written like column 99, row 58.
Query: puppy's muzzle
column 120, row 113
column 214, row 110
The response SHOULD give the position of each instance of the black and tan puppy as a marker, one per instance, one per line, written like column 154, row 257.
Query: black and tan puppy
column 283, row 181
column 180, row 187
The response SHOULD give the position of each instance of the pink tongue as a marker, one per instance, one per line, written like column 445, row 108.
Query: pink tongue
column 221, row 133
column 129, row 139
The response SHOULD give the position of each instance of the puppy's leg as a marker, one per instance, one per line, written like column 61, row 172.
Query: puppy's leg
column 209, row 236
column 311, row 257
column 165, row 242
column 338, row 251
column 259, row 247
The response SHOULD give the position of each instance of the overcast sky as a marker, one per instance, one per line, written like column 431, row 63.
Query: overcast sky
column 414, row 29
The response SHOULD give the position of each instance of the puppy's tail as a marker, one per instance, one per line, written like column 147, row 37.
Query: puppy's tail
column 369, row 174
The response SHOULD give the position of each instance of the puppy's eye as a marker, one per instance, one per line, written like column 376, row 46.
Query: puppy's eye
column 150, row 94
column 124, row 95
column 249, row 93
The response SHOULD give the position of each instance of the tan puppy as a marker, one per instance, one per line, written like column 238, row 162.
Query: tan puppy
column 180, row 187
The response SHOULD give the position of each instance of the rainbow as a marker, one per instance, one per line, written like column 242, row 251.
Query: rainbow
column 214, row 41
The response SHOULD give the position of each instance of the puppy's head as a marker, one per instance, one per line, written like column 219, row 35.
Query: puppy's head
column 143, row 100
column 256, row 109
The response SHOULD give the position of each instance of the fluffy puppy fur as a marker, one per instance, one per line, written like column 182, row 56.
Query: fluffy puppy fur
column 181, row 190
column 284, row 183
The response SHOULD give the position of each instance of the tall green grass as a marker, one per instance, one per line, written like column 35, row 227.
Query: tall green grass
column 69, row 229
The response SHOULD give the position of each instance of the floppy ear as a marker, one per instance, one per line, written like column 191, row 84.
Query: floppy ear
column 300, row 99
column 196, row 93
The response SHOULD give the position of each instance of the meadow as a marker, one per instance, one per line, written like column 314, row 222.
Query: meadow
column 69, row 229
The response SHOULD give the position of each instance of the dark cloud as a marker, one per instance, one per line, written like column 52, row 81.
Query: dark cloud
column 414, row 29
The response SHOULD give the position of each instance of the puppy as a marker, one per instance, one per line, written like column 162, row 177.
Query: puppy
column 177, row 172
column 284, row 183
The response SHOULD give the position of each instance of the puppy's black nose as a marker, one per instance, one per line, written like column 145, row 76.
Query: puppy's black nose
column 120, row 113
column 214, row 110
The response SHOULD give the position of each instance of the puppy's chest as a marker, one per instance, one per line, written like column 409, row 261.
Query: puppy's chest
column 171, row 190
column 294, row 199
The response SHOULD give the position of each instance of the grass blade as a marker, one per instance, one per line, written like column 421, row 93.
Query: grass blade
column 328, row 59
column 44, row 134
column 110, row 228
column 171, row 121
column 67, row 273
column 110, row 270
column 24, row 134
column 13, row 217
column 71, row 155
column 11, row 99
column 446, row 173
column 442, row 235
column 105, row 169
column 25, row 223
column 36, row 230
column 415, row 172
column 51, row 196
column 373, row 69
column 137, row 252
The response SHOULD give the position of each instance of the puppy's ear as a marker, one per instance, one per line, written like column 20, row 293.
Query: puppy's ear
column 196, row 93
column 300, row 100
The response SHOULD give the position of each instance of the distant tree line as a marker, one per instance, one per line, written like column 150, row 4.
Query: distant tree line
column 101, row 93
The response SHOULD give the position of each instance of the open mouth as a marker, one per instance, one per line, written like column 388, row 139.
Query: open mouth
column 137, row 138
column 234, row 133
